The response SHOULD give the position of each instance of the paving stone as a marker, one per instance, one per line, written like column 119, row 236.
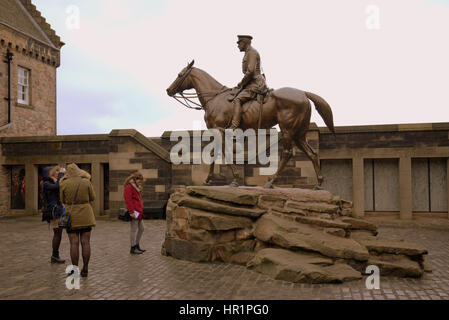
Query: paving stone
column 25, row 271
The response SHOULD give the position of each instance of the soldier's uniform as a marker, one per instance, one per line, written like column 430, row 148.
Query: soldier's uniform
column 253, row 82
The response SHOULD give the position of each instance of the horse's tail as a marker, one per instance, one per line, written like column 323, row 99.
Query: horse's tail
column 323, row 109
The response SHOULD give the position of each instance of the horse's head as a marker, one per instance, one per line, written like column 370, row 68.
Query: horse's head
column 182, row 82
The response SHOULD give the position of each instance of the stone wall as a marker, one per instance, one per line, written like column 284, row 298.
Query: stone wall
column 128, row 156
column 62, row 150
column 39, row 117
column 386, row 136
column 299, row 170
column 389, row 164
column 347, row 171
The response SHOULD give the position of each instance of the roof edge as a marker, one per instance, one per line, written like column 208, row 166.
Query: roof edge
column 42, row 23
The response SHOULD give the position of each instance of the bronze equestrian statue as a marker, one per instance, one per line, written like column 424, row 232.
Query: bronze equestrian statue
column 288, row 107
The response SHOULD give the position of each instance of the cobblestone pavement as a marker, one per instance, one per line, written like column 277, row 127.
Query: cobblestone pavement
column 25, row 271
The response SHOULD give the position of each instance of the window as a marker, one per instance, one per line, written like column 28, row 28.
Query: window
column 23, row 89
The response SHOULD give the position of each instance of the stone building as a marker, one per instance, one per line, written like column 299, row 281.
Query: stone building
column 30, row 55
column 394, row 170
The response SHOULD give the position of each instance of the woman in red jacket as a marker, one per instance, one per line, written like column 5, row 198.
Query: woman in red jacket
column 134, row 205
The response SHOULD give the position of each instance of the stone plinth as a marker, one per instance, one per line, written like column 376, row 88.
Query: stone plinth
column 297, row 235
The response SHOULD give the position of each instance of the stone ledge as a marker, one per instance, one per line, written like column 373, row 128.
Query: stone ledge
column 37, row 139
column 388, row 128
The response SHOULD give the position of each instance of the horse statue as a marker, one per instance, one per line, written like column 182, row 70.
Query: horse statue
column 288, row 107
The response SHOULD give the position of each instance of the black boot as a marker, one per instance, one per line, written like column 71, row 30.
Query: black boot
column 134, row 250
column 138, row 247
column 237, row 114
column 84, row 273
column 56, row 259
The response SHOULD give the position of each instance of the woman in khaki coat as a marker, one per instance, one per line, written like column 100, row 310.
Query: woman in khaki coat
column 81, row 212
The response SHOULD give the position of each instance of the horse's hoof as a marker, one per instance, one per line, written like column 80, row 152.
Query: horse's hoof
column 207, row 183
column 234, row 184
column 318, row 187
column 268, row 185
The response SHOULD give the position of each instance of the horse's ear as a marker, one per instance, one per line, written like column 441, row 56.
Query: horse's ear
column 190, row 65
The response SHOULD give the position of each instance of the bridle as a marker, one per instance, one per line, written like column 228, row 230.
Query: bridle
column 191, row 95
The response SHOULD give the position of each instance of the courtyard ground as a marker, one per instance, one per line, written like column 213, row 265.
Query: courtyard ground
column 25, row 271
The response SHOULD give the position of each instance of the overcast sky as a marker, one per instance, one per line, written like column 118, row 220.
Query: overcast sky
column 375, row 62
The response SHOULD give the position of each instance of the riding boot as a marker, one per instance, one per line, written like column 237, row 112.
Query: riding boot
column 235, row 123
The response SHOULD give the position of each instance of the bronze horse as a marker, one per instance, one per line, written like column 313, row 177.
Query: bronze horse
column 288, row 107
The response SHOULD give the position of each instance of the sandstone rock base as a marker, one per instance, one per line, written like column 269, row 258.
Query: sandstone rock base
column 296, row 235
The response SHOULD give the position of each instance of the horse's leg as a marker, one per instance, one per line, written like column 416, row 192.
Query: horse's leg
column 211, row 173
column 214, row 155
column 286, row 155
column 302, row 144
column 235, row 177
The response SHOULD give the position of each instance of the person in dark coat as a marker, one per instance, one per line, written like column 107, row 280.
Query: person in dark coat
column 53, row 206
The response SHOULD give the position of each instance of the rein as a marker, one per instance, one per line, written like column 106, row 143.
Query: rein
column 191, row 95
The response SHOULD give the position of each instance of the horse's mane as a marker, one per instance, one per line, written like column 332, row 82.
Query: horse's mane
column 213, row 81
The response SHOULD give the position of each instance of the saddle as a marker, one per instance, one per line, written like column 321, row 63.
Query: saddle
column 260, row 99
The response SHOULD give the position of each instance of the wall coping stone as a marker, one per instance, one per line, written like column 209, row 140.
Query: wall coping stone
column 388, row 128
column 37, row 139
column 147, row 143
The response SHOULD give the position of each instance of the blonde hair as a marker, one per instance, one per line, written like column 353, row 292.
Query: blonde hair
column 135, row 176
column 53, row 170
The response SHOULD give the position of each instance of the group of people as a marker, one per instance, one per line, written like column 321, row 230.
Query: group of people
column 71, row 192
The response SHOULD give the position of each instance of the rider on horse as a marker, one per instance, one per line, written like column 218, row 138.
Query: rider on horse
column 253, row 82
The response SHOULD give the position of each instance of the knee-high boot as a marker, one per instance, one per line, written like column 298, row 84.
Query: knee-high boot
column 235, row 123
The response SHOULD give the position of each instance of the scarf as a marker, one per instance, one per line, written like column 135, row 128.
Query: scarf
column 139, row 190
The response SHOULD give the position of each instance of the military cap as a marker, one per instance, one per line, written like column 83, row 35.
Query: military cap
column 244, row 37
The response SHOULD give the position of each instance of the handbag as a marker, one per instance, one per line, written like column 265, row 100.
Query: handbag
column 124, row 215
column 65, row 222
column 49, row 214
column 46, row 215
